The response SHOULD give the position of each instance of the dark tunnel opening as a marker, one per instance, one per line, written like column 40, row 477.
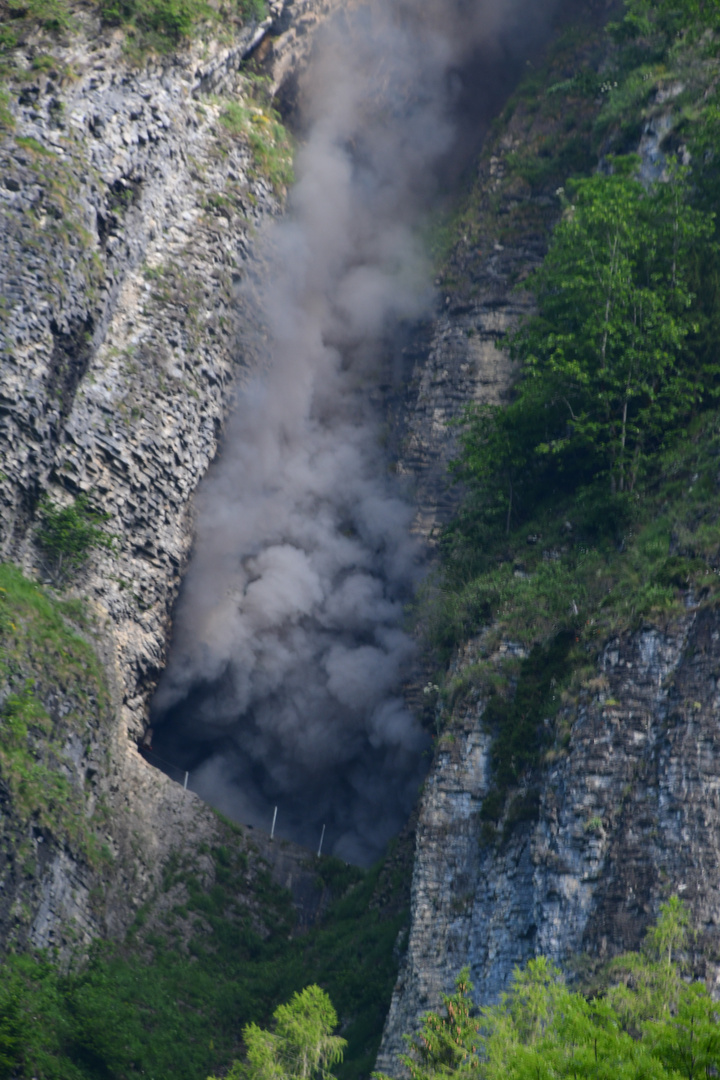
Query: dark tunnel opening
column 290, row 657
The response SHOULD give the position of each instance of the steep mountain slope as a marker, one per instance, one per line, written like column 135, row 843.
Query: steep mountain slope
column 132, row 188
column 133, row 185
column 130, row 194
column 572, row 859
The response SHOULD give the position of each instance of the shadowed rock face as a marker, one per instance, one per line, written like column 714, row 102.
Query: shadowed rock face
column 628, row 813
column 643, row 763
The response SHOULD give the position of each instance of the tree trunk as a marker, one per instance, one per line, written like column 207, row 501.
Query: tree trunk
column 622, row 444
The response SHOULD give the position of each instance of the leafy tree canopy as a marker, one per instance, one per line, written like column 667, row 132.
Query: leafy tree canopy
column 606, row 365
column 302, row 1046
column 67, row 535
column 650, row 1024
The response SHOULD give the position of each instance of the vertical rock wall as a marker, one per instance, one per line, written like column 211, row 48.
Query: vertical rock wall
column 628, row 815
column 628, row 809
column 128, row 212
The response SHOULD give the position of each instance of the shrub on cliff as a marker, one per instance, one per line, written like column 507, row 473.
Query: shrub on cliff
column 159, row 24
column 671, row 17
column 67, row 535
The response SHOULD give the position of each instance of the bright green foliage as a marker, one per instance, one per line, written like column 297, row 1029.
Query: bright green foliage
column 7, row 121
column 269, row 140
column 605, row 374
column 160, row 24
column 43, row 658
column 69, row 533
column 688, row 1042
column 39, row 788
column 670, row 933
column 604, row 359
column 49, row 14
column 542, row 1030
column 649, row 984
column 302, row 1046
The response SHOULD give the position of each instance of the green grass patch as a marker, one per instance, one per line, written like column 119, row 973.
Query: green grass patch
column 269, row 140
column 159, row 26
column 29, row 143
column 7, row 120
column 50, row 15
column 43, row 658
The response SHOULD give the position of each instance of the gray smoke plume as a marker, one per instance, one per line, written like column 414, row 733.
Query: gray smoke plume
column 289, row 654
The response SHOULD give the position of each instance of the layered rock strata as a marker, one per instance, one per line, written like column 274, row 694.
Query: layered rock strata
column 628, row 815
column 128, row 212
column 628, row 810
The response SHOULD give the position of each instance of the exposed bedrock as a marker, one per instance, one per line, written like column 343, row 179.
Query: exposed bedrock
column 627, row 816
column 628, row 810
column 128, row 212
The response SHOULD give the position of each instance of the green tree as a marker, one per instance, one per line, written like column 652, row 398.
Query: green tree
column 613, row 363
column 67, row 535
column 652, row 1025
column 646, row 985
column 448, row 1042
column 604, row 356
column 671, row 17
column 302, row 1046
column 688, row 1041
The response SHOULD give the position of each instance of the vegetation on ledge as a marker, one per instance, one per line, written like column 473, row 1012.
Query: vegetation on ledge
column 151, row 26
column 590, row 500
column 646, row 1019
column 257, row 121
column 52, row 692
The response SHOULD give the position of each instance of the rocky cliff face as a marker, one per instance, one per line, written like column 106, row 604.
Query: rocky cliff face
column 627, row 815
column 128, row 210
column 624, row 813
column 459, row 359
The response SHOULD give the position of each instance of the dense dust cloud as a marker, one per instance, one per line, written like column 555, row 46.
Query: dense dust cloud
column 284, row 685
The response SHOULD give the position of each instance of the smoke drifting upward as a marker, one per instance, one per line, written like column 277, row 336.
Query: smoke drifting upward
column 284, row 680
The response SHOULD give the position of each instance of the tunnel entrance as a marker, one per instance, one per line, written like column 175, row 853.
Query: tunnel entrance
column 291, row 654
